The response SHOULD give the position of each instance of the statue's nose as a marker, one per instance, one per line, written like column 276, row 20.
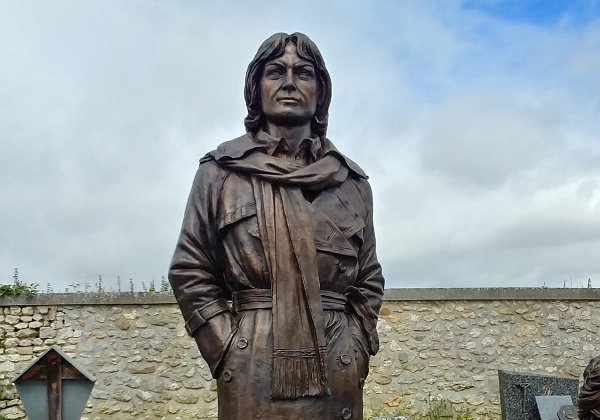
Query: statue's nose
column 289, row 83
column 289, row 86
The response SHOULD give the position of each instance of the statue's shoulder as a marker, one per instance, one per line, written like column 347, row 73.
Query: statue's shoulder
column 211, row 172
column 231, row 149
column 355, row 169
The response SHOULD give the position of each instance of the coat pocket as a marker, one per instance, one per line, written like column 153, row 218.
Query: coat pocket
column 361, row 353
column 244, row 216
column 232, row 215
column 227, row 355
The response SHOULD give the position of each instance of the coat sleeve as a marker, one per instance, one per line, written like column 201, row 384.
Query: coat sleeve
column 195, row 275
column 365, row 297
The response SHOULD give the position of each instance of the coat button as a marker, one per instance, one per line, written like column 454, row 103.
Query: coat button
column 242, row 343
column 346, row 413
column 227, row 376
column 345, row 359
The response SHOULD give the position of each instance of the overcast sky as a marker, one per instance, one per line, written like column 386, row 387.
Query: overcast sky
column 478, row 123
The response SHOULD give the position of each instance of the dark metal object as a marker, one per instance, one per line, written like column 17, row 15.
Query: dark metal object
column 54, row 387
column 280, row 223
column 567, row 412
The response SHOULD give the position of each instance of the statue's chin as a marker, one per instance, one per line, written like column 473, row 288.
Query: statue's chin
column 288, row 120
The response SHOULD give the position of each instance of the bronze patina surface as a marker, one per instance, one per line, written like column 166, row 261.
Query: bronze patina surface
column 275, row 270
column 588, row 401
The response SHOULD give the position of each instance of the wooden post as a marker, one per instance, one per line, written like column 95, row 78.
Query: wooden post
column 53, row 371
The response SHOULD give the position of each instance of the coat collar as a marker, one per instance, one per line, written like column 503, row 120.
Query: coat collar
column 240, row 147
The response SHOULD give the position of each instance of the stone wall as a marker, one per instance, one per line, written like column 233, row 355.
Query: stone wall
column 437, row 346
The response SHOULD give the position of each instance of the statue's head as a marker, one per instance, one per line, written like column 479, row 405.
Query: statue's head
column 588, row 401
column 271, row 49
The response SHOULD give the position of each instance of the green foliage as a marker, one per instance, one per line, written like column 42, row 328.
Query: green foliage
column 437, row 408
column 18, row 289
column 464, row 414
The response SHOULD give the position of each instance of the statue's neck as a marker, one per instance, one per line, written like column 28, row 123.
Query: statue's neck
column 292, row 135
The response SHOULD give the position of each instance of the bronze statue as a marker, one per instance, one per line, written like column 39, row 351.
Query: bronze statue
column 588, row 401
column 280, row 223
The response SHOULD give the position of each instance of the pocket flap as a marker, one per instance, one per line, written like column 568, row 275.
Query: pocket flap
column 241, row 212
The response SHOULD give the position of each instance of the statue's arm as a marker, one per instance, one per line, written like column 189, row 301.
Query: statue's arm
column 194, row 272
column 367, row 294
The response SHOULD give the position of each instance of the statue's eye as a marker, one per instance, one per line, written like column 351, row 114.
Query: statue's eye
column 274, row 72
column 305, row 73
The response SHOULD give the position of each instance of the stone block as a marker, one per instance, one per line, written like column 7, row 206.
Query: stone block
column 108, row 408
column 25, row 350
column 64, row 333
column 7, row 366
column 130, row 315
column 11, row 342
column 12, row 413
column 142, row 368
column 26, row 333
column 122, row 395
column 145, row 396
column 47, row 332
column 187, row 398
column 123, row 324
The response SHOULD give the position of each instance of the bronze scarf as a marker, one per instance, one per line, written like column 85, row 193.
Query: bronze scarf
column 285, row 228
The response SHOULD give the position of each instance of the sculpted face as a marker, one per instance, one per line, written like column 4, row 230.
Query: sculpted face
column 289, row 89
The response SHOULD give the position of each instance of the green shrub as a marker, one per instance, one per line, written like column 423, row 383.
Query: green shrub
column 18, row 289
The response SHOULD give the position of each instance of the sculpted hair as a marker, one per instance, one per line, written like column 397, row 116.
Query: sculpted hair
column 271, row 49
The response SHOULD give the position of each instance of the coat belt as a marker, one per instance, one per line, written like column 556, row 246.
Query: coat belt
column 247, row 300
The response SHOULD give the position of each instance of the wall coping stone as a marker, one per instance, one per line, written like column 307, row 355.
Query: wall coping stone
column 406, row 294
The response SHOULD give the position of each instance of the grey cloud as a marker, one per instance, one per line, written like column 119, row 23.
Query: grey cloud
column 475, row 132
column 480, row 139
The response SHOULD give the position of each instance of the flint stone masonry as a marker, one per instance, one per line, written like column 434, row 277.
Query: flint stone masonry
column 436, row 345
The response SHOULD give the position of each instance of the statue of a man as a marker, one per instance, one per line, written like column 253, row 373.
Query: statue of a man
column 280, row 223
column 588, row 401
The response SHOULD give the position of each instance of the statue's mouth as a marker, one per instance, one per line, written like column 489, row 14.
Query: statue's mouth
column 288, row 100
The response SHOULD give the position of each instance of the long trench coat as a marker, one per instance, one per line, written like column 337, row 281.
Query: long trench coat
column 219, row 258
